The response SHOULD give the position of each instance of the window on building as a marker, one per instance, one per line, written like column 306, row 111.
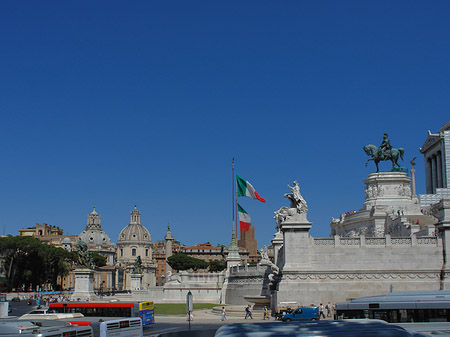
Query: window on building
column 146, row 252
column 133, row 251
column 121, row 252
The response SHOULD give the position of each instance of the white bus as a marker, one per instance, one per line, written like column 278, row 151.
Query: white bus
column 118, row 327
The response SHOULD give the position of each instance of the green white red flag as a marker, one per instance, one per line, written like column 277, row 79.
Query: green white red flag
column 245, row 220
column 245, row 189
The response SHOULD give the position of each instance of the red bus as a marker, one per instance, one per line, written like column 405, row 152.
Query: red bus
column 99, row 309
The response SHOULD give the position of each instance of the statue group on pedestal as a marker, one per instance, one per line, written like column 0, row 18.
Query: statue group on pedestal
column 137, row 266
column 384, row 152
column 85, row 259
column 298, row 205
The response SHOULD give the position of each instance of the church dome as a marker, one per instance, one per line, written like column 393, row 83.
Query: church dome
column 134, row 232
column 93, row 235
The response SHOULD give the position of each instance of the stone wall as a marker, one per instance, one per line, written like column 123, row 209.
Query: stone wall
column 337, row 269
column 205, row 288
column 344, row 268
column 245, row 281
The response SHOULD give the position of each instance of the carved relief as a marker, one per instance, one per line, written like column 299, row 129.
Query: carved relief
column 362, row 276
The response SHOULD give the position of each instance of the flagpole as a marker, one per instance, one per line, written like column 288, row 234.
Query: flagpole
column 233, row 236
column 233, row 258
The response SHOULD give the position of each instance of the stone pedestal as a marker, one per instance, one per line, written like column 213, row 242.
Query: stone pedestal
column 389, row 208
column 136, row 281
column 296, row 243
column 296, row 255
column 233, row 257
column 84, row 285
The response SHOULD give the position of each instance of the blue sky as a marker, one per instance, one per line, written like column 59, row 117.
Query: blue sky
column 113, row 104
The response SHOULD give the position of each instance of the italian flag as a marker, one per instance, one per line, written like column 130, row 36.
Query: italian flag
column 245, row 220
column 245, row 189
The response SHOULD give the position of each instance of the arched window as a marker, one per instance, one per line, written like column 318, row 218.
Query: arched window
column 146, row 252
column 121, row 252
column 133, row 251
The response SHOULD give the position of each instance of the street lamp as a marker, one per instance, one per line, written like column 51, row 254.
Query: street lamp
column 189, row 307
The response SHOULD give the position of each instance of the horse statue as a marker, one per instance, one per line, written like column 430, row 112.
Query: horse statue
column 377, row 155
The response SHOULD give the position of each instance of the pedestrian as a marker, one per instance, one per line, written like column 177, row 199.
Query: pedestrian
column 248, row 312
column 266, row 313
column 321, row 309
column 190, row 315
column 328, row 307
column 224, row 315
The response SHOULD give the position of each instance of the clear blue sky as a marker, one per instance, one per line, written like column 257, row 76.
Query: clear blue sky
column 113, row 103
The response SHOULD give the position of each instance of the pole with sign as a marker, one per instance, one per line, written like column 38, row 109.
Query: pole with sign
column 189, row 307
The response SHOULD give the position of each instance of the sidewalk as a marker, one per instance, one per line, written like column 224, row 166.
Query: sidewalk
column 208, row 316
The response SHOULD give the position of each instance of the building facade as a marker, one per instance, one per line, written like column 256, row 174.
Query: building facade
column 436, row 153
column 135, row 241
column 247, row 241
column 98, row 241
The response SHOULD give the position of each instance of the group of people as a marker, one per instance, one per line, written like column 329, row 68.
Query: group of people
column 327, row 309
column 248, row 313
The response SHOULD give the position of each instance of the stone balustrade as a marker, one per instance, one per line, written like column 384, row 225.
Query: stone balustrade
column 374, row 241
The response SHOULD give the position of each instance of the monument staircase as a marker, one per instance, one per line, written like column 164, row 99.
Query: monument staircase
column 405, row 225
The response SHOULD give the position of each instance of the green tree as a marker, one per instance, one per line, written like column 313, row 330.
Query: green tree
column 29, row 263
column 185, row 262
column 99, row 259
column 217, row 265
column 22, row 263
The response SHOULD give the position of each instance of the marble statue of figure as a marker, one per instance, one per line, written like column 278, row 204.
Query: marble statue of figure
column 173, row 278
column 274, row 270
column 137, row 266
column 296, row 198
column 84, row 257
column 297, row 210
column 264, row 253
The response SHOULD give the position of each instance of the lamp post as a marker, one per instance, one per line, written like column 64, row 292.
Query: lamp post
column 189, row 307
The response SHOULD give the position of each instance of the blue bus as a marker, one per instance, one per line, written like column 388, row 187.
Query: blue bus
column 147, row 312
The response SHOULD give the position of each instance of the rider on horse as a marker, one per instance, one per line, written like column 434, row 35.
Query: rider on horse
column 385, row 146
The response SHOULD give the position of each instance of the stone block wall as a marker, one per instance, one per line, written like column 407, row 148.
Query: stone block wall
column 245, row 281
column 343, row 268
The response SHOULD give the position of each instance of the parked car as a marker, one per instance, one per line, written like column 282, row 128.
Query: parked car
column 15, row 299
column 302, row 314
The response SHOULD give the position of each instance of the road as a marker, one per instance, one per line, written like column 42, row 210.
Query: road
column 203, row 320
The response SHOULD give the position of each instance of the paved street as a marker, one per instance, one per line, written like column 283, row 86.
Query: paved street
column 203, row 320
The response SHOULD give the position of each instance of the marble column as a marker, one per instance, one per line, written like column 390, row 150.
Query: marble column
column 429, row 183
column 440, row 183
column 433, row 174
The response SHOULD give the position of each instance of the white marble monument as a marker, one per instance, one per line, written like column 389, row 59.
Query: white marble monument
column 136, row 281
column 84, row 285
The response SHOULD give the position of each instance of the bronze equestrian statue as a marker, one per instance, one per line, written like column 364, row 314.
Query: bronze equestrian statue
column 384, row 152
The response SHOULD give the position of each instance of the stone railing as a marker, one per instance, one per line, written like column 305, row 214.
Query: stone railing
column 251, row 268
column 375, row 241
column 324, row 242
column 429, row 240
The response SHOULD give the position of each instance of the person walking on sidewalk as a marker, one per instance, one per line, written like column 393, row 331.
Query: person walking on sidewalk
column 266, row 313
column 224, row 315
column 248, row 312
column 321, row 311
